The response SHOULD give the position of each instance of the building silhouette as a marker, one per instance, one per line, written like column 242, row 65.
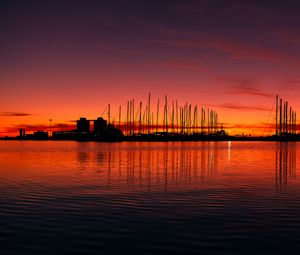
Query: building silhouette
column 101, row 131
column 83, row 125
column 99, row 124
column 22, row 133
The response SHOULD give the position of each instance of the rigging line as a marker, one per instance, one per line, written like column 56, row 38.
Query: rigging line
column 137, row 114
column 104, row 111
column 268, row 124
column 272, row 122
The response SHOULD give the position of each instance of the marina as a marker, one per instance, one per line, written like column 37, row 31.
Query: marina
column 175, row 123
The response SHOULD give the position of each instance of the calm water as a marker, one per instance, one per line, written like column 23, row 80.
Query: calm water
column 149, row 198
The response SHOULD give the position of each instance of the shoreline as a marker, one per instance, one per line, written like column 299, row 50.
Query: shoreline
column 191, row 138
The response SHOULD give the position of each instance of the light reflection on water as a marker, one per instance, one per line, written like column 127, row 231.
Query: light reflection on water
column 217, row 197
column 149, row 167
column 285, row 165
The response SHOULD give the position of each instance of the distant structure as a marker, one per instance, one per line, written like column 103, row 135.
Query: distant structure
column 38, row 135
column 22, row 133
column 83, row 125
column 99, row 125
column 286, row 119
column 169, row 121
column 101, row 131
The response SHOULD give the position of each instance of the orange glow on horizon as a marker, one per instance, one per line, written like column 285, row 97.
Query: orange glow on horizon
column 234, row 121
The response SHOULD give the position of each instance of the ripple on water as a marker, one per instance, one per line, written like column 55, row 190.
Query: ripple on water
column 149, row 198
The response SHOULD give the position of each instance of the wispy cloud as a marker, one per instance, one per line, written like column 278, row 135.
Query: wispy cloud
column 231, row 44
column 257, row 13
column 265, row 128
column 290, row 85
column 233, row 49
column 15, row 114
column 244, row 126
column 260, row 125
column 240, row 107
column 244, row 86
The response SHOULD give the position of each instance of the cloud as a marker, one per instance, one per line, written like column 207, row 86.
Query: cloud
column 234, row 49
column 15, row 114
column 261, row 125
column 244, row 86
column 257, row 13
column 290, row 85
column 239, row 107
column 233, row 43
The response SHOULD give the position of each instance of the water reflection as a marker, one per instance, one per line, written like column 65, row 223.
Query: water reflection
column 204, row 196
column 186, row 165
column 285, row 165
column 228, row 151
column 155, row 168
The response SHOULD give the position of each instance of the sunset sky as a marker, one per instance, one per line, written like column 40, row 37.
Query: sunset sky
column 67, row 59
